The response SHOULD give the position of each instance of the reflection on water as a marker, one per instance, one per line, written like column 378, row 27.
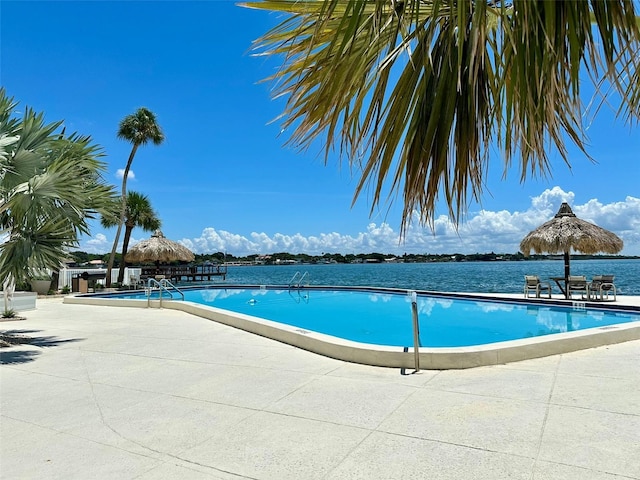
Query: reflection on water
column 558, row 322
column 427, row 306
column 210, row 295
column 375, row 298
column 488, row 307
column 300, row 296
column 386, row 319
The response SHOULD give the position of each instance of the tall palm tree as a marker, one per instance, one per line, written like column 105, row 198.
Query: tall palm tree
column 416, row 93
column 50, row 186
column 138, row 213
column 138, row 128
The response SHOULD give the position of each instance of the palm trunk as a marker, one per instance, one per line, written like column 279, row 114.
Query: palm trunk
column 123, row 211
column 55, row 279
column 8, row 287
column 125, row 248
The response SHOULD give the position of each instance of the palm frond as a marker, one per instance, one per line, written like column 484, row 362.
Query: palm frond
column 414, row 93
column 50, row 185
column 141, row 128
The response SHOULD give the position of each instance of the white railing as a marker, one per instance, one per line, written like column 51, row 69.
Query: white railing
column 66, row 274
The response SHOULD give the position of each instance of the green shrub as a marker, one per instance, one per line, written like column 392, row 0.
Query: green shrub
column 41, row 277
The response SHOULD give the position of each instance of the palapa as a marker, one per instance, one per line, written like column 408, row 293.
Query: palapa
column 566, row 232
column 159, row 249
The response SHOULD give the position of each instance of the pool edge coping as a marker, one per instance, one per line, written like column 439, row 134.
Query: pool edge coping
column 440, row 358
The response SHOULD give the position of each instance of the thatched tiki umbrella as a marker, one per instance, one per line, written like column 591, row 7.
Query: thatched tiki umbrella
column 564, row 232
column 159, row 249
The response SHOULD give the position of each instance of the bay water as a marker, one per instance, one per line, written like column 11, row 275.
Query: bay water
column 481, row 277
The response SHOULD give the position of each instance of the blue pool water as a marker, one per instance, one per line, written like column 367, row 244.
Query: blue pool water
column 384, row 318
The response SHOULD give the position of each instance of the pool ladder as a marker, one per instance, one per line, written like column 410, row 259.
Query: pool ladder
column 162, row 285
column 297, row 279
column 299, row 296
column 416, row 329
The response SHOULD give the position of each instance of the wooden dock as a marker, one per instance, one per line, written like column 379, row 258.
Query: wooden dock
column 185, row 273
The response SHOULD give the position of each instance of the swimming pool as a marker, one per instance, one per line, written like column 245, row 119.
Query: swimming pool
column 380, row 320
column 385, row 318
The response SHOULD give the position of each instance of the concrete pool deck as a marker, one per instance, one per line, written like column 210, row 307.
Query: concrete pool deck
column 128, row 393
column 428, row 358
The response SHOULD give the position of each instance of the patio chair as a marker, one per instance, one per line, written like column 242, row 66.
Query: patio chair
column 601, row 287
column 135, row 282
column 579, row 284
column 532, row 284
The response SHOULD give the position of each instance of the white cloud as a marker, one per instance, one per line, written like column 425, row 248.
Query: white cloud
column 484, row 231
column 96, row 244
column 550, row 199
column 100, row 244
column 120, row 174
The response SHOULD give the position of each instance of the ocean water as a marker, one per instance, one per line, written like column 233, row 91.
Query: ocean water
column 483, row 277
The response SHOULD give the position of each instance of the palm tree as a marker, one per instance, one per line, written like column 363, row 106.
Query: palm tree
column 50, row 186
column 418, row 92
column 138, row 128
column 138, row 213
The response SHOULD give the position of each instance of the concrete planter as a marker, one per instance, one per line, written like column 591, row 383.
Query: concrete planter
column 41, row 287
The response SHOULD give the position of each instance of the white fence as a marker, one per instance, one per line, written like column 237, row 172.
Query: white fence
column 66, row 274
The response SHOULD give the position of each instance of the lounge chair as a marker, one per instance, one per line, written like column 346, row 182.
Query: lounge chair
column 533, row 284
column 601, row 287
column 579, row 284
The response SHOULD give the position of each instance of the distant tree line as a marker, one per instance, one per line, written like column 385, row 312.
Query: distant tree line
column 374, row 257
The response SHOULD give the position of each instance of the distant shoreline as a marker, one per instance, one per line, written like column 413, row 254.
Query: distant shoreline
column 285, row 258
column 290, row 259
column 296, row 260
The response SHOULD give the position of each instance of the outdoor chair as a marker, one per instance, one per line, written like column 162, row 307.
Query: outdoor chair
column 532, row 284
column 135, row 282
column 601, row 287
column 578, row 284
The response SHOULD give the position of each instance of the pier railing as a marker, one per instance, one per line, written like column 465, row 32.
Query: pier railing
column 189, row 273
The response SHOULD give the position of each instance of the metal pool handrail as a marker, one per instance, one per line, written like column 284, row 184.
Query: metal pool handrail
column 163, row 284
column 416, row 328
column 300, row 278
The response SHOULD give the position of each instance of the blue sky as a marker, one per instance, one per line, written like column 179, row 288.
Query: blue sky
column 222, row 180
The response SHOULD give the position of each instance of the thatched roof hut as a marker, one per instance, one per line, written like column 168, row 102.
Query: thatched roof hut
column 566, row 232
column 159, row 249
